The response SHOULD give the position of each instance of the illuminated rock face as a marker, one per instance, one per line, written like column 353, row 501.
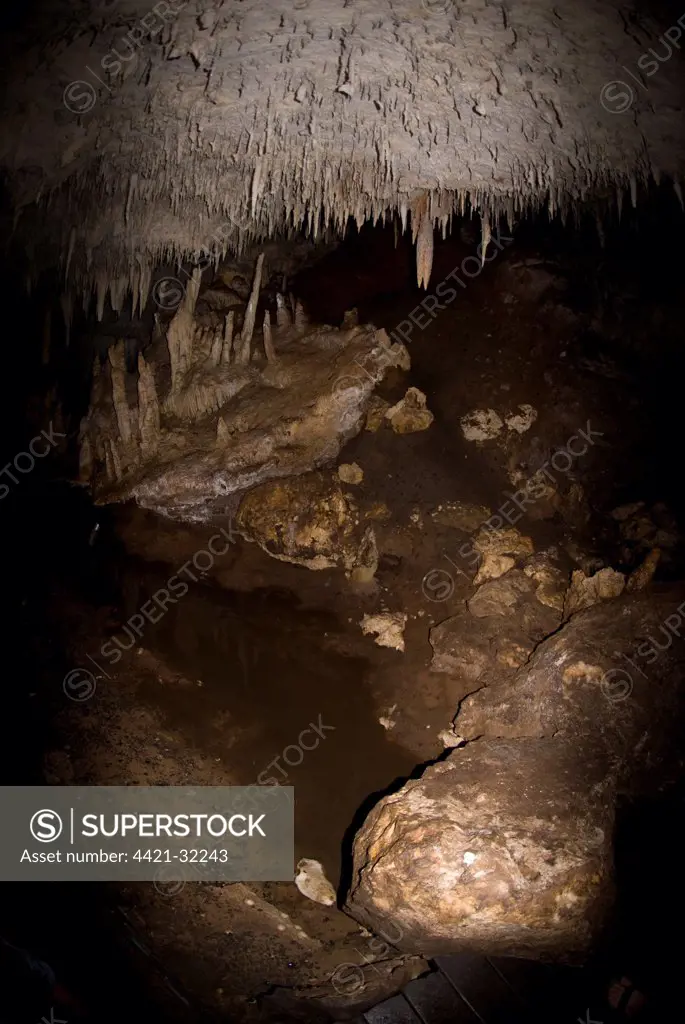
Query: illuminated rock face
column 212, row 413
column 507, row 845
column 133, row 134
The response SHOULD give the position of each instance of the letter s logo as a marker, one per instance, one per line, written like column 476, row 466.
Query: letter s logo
column 46, row 826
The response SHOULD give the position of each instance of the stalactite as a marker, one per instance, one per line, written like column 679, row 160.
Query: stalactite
column 485, row 236
column 422, row 229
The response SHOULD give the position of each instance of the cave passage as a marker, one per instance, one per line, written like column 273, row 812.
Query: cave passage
column 299, row 658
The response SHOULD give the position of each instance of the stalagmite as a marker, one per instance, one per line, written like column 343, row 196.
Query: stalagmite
column 181, row 332
column 85, row 460
column 269, row 350
column 148, row 407
column 228, row 339
column 112, row 461
column 117, row 361
column 109, row 461
column 250, row 314
column 301, row 319
column 216, row 348
column 222, row 433
column 283, row 317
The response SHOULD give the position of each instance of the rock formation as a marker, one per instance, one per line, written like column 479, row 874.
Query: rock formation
column 212, row 413
column 135, row 134
column 506, row 847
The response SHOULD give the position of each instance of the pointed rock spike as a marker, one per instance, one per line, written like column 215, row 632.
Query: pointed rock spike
column 485, row 236
column 283, row 317
column 301, row 319
column 223, row 435
column 117, row 359
column 251, row 311
column 228, row 339
column 269, row 350
column 424, row 252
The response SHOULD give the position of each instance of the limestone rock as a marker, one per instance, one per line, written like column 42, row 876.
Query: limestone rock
column 473, row 650
column 643, row 575
column 217, row 427
column 375, row 416
column 642, row 529
column 388, row 628
column 461, row 515
column 550, row 580
column 410, row 414
column 585, row 591
column 309, row 521
column 499, row 596
column 481, row 425
column 523, row 420
column 449, row 739
column 312, row 882
column 487, row 852
column 350, row 473
column 624, row 512
column 506, row 846
column 499, row 550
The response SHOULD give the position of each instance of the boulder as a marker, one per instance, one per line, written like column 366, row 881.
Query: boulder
column 588, row 590
column 410, row 414
column 506, row 846
column 308, row 520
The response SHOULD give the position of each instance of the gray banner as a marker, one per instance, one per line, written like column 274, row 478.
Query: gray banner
column 163, row 834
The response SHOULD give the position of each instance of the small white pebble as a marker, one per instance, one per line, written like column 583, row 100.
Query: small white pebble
column 469, row 858
column 249, row 903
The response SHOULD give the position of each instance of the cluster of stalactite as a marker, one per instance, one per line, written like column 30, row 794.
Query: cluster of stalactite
column 213, row 129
